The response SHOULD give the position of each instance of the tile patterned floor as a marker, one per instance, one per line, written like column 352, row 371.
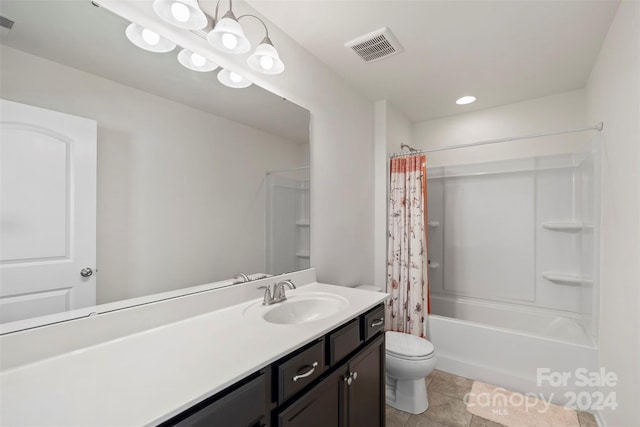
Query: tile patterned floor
column 447, row 408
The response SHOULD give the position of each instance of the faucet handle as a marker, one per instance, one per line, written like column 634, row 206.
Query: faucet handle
column 267, row 300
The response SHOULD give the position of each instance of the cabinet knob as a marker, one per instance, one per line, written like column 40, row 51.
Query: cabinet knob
column 351, row 378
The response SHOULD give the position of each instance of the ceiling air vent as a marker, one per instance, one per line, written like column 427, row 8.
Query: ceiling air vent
column 6, row 25
column 376, row 45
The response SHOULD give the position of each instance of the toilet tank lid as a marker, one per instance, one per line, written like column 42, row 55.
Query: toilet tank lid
column 407, row 345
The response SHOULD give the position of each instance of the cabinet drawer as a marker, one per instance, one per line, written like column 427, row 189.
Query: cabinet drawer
column 299, row 371
column 373, row 322
column 319, row 407
column 243, row 407
column 344, row 341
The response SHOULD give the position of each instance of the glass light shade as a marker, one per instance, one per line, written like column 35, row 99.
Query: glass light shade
column 181, row 13
column 220, row 36
column 265, row 59
column 195, row 62
column 148, row 40
column 233, row 79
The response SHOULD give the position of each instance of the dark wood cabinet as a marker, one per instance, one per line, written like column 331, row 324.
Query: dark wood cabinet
column 364, row 394
column 334, row 381
column 319, row 407
column 299, row 370
column 242, row 405
column 352, row 396
column 343, row 341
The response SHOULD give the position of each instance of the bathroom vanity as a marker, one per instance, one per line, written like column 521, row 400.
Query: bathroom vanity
column 336, row 380
column 216, row 358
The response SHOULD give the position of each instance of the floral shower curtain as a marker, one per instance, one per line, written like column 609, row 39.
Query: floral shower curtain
column 407, row 246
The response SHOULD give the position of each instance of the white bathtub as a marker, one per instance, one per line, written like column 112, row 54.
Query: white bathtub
column 545, row 323
column 502, row 346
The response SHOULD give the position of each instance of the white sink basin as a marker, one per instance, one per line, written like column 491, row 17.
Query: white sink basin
column 302, row 308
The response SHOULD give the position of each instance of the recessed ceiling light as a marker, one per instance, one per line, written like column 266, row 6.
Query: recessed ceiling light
column 466, row 100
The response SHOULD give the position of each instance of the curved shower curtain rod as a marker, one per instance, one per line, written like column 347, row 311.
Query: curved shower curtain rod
column 412, row 150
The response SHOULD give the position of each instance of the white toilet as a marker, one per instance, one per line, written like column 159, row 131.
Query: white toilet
column 409, row 359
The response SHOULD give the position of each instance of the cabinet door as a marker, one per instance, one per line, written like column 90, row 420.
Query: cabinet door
column 365, row 392
column 243, row 407
column 319, row 407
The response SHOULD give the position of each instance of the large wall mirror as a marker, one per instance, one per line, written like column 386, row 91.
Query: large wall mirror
column 195, row 181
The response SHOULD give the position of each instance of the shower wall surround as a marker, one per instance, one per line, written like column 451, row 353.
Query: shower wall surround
column 288, row 226
column 519, row 238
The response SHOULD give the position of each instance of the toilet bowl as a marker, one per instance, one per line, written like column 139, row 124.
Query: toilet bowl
column 409, row 359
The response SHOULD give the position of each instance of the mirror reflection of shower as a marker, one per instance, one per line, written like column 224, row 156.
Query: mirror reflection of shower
column 288, row 223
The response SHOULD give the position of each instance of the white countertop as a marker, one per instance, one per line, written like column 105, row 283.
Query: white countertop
column 148, row 377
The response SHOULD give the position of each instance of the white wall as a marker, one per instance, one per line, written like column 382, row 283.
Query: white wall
column 392, row 128
column 399, row 130
column 613, row 94
column 551, row 113
column 342, row 123
column 180, row 191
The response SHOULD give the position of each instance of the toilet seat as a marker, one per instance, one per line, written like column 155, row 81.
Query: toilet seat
column 408, row 347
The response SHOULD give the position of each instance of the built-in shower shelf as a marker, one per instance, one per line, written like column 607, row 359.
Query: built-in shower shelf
column 433, row 223
column 302, row 254
column 569, row 226
column 566, row 279
column 303, row 223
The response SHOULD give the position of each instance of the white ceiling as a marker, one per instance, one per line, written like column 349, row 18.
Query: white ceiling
column 77, row 34
column 499, row 51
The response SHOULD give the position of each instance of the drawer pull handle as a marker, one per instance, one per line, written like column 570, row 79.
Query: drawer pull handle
column 306, row 374
column 377, row 322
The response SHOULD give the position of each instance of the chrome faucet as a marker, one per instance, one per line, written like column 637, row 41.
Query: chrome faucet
column 278, row 294
column 240, row 278
column 278, row 290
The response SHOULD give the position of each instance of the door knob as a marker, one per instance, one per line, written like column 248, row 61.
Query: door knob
column 86, row 272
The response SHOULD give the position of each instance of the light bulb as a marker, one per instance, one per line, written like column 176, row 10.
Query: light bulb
column 466, row 100
column 180, row 11
column 229, row 41
column 198, row 60
column 150, row 37
column 235, row 77
column 266, row 62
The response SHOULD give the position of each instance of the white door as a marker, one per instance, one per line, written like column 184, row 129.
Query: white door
column 47, row 211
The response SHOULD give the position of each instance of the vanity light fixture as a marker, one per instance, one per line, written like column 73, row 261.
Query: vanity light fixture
column 181, row 13
column 265, row 58
column 466, row 100
column 196, row 62
column 147, row 39
column 227, row 35
column 232, row 79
